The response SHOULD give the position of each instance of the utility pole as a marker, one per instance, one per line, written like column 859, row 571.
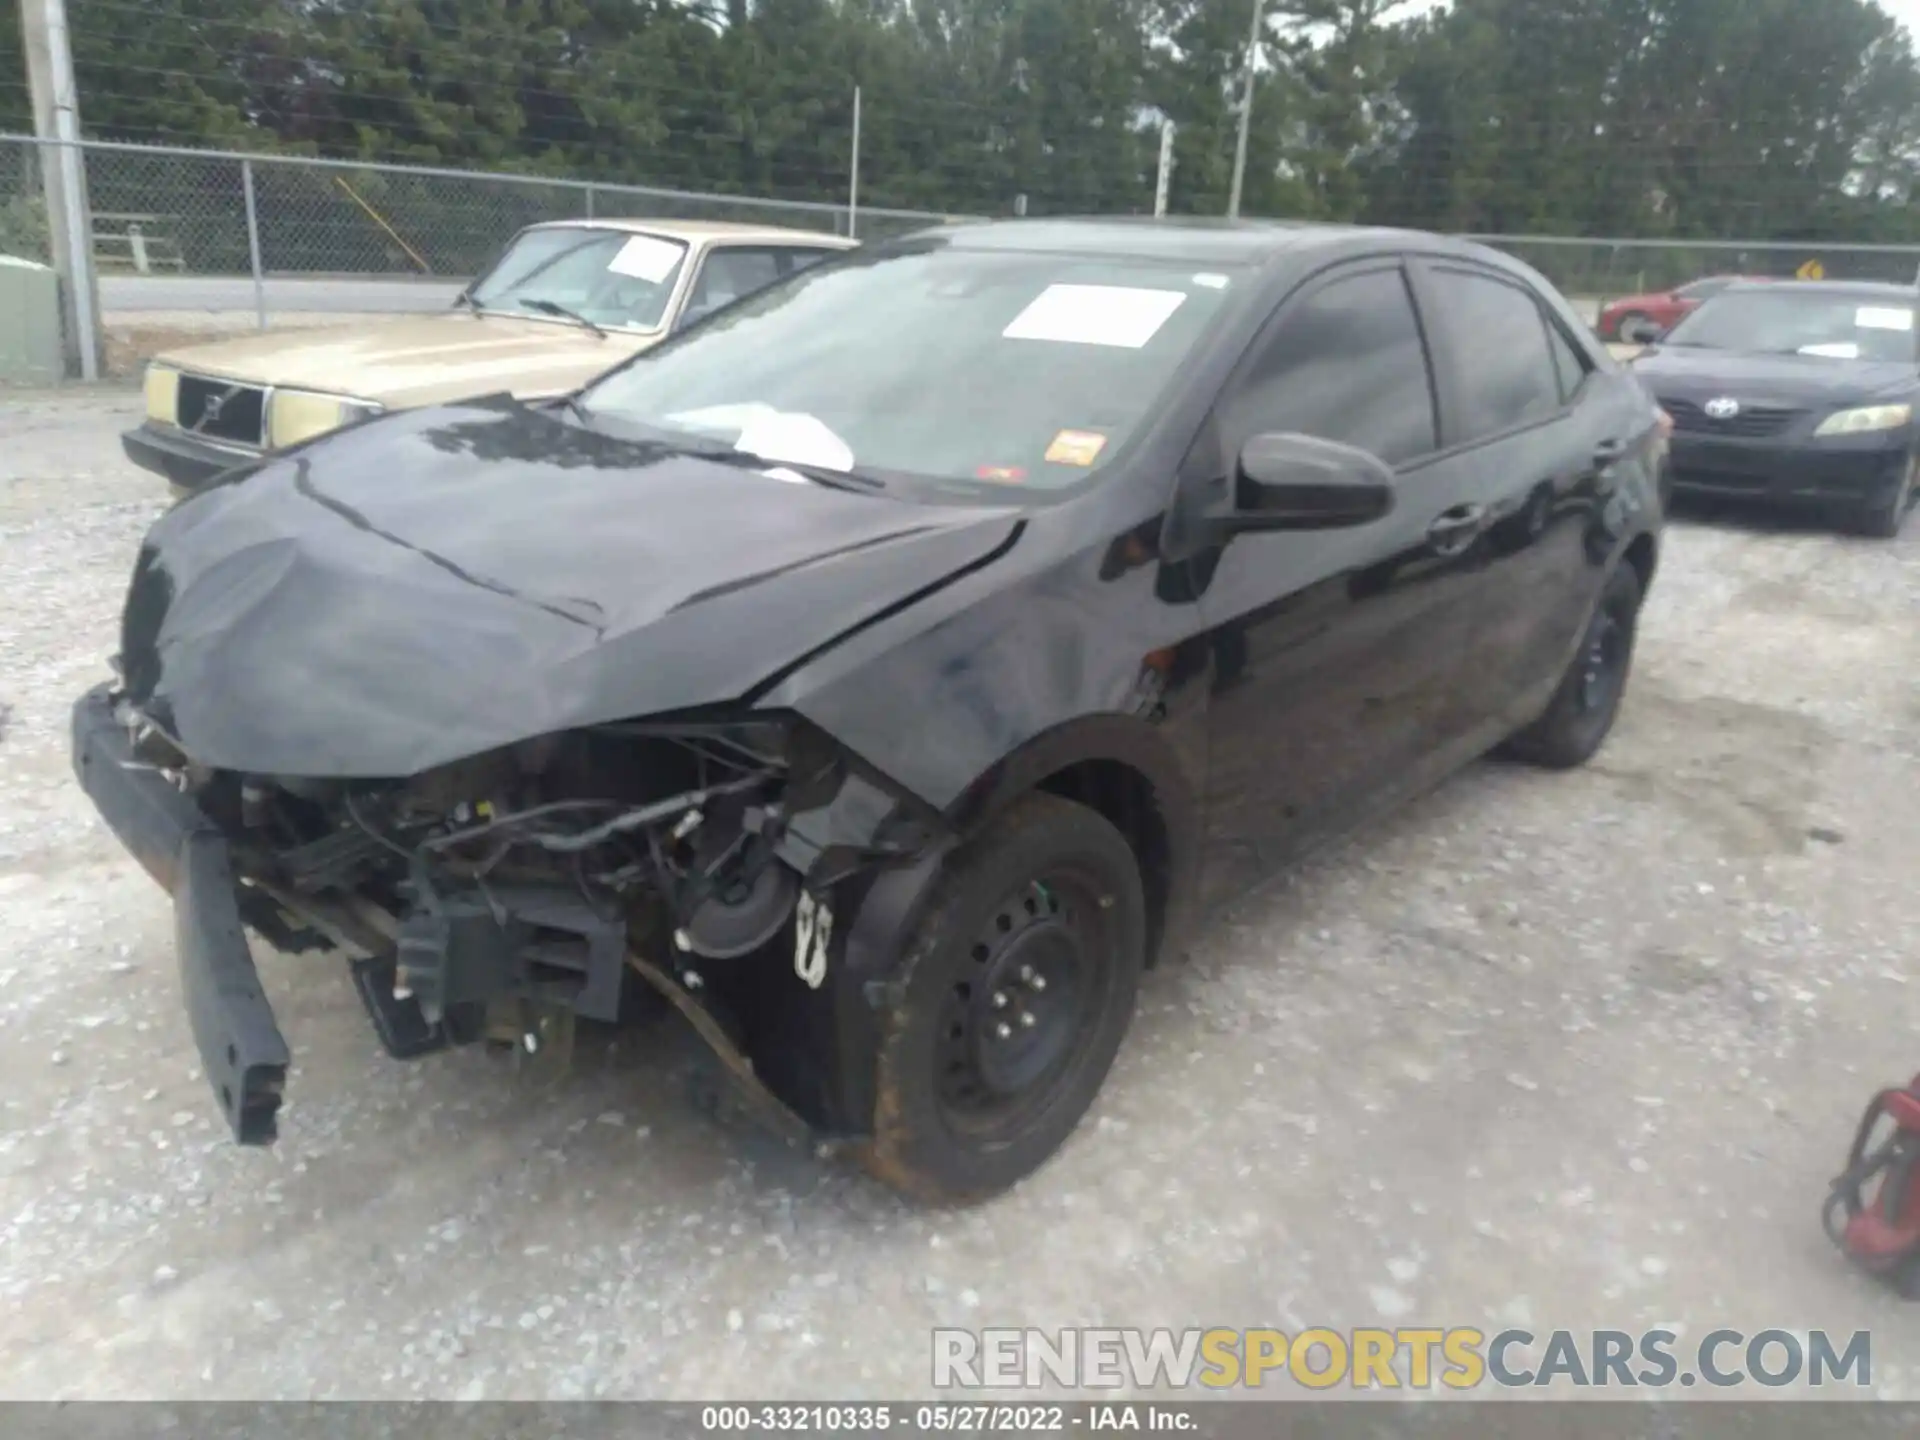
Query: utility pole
column 1246, row 113
column 56, row 124
column 853, row 175
column 1166, row 169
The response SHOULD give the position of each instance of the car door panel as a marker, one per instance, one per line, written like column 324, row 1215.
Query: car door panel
column 1529, row 447
column 1336, row 652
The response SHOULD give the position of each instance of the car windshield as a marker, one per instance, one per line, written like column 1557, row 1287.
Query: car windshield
column 937, row 361
column 609, row 278
column 1799, row 322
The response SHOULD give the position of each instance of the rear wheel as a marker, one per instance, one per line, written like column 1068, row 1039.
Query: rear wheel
column 1884, row 519
column 1015, row 995
column 1626, row 323
column 1577, row 722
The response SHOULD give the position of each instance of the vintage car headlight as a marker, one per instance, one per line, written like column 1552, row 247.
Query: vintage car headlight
column 162, row 388
column 1865, row 420
column 296, row 415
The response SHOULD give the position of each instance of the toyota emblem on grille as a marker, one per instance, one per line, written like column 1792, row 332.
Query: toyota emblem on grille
column 1725, row 408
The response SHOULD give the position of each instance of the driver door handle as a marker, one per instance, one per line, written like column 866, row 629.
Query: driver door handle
column 1453, row 530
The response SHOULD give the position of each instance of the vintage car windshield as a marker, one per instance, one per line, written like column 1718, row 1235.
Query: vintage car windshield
column 960, row 365
column 612, row 278
column 1788, row 322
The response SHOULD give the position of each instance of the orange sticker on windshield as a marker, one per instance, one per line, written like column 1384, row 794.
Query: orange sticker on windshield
column 1005, row 474
column 1076, row 447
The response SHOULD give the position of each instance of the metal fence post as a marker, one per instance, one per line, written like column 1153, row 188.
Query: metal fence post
column 1246, row 115
column 1165, row 175
column 56, row 124
column 853, row 175
column 253, row 245
column 589, row 200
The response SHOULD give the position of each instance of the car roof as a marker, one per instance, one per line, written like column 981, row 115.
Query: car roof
column 695, row 231
column 1866, row 289
column 1191, row 239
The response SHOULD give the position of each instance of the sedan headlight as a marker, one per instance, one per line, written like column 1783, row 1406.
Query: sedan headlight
column 163, row 394
column 1866, row 420
column 296, row 415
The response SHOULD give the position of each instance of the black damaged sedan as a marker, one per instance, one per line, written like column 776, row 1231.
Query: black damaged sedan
column 885, row 671
column 1797, row 393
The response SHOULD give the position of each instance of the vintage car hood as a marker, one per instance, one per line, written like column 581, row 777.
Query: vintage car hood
column 442, row 582
column 422, row 360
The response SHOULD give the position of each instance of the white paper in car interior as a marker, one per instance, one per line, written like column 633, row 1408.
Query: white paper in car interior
column 645, row 257
column 713, row 418
column 797, row 439
column 1117, row 315
column 1887, row 317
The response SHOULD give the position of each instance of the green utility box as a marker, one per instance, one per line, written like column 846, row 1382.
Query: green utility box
column 30, row 340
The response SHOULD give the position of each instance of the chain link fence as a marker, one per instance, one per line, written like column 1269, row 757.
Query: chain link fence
column 267, row 239
column 242, row 240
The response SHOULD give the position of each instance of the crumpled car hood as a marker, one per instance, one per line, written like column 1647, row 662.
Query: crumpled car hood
column 442, row 582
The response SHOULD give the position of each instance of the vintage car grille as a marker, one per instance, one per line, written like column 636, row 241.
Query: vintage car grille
column 1754, row 422
column 222, row 410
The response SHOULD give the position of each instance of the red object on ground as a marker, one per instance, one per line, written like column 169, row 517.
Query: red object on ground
column 1873, row 1210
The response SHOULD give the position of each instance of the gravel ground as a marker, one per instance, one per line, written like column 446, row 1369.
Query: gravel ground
column 1576, row 1050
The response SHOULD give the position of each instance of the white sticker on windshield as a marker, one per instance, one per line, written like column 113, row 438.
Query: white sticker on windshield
column 1883, row 317
column 646, row 257
column 1211, row 281
column 1838, row 350
column 1117, row 315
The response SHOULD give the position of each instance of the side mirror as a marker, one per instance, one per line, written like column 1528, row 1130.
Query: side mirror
column 1641, row 332
column 1297, row 482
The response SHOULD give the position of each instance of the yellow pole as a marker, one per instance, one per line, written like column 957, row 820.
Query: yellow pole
column 374, row 215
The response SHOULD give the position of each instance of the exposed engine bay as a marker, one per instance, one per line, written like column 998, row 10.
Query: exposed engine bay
column 502, row 896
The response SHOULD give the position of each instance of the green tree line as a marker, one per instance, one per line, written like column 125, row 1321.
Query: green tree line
column 1769, row 119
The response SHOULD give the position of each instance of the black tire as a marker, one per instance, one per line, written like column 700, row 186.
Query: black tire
column 971, row 1103
column 1578, row 720
column 1627, row 321
column 1884, row 519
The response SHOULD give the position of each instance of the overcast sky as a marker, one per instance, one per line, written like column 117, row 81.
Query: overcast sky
column 1907, row 12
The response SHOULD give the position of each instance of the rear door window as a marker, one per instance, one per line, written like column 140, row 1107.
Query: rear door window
column 799, row 257
column 731, row 272
column 1505, row 373
column 1571, row 366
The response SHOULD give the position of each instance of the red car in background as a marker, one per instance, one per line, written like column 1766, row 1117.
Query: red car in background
column 1664, row 308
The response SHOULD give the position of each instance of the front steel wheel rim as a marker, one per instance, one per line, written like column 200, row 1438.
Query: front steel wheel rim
column 1019, row 1016
column 1601, row 662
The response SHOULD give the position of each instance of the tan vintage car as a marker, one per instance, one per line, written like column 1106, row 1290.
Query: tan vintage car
column 564, row 302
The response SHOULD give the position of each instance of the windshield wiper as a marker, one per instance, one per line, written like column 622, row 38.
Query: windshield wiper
column 548, row 307
column 824, row 474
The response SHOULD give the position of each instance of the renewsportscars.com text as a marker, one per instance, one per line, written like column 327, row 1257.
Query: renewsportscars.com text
column 1391, row 1359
